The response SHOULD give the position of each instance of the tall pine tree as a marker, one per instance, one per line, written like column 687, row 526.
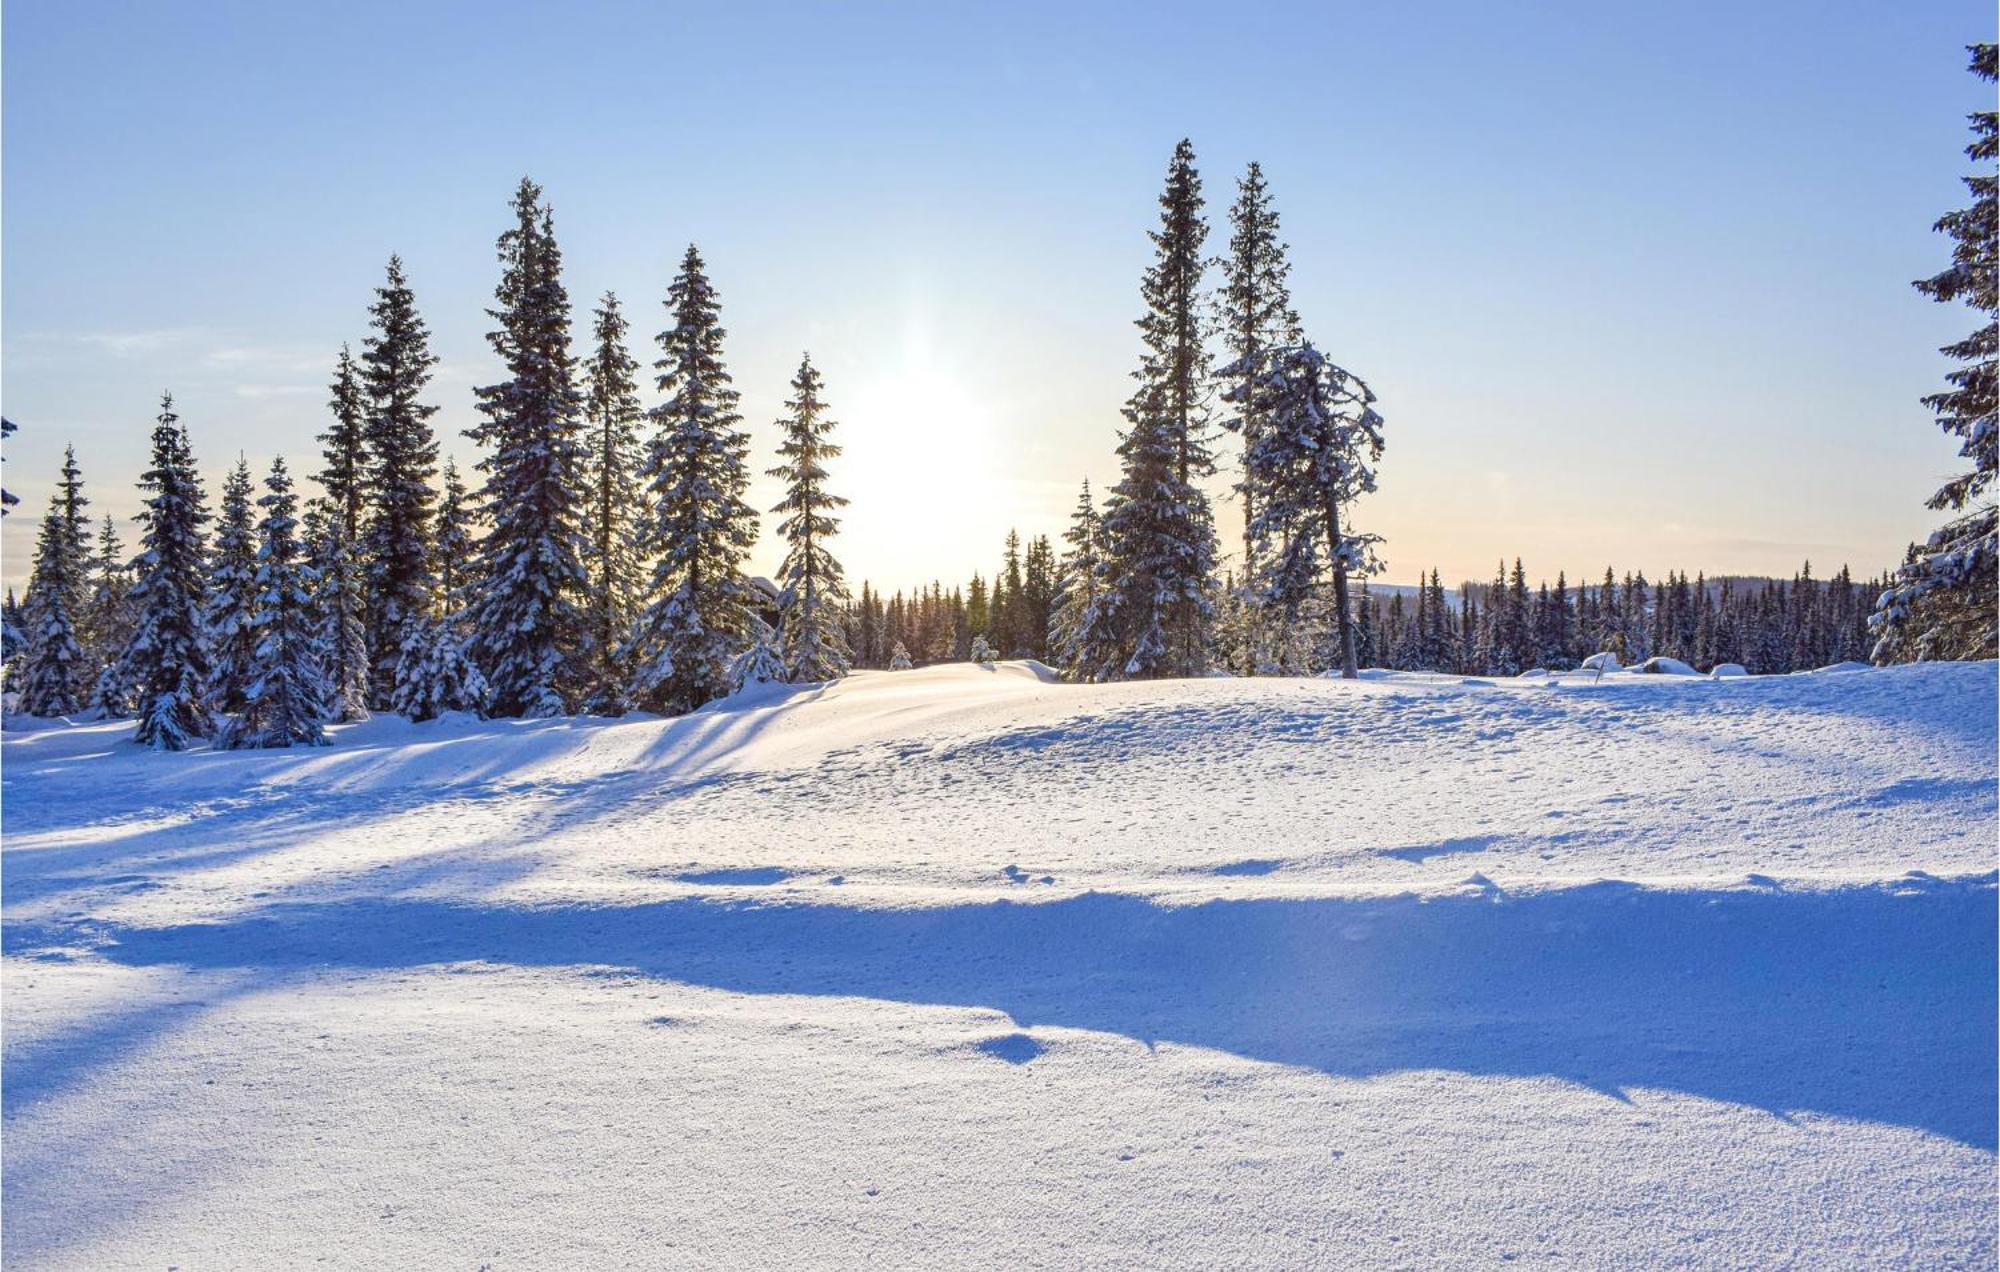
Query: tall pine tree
column 396, row 364
column 55, row 674
column 341, row 598
column 1160, row 529
column 1256, row 304
column 701, row 529
column 168, row 659
column 812, row 638
column 617, row 570
column 527, row 617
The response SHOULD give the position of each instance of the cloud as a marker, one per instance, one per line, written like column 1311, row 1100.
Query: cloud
column 302, row 359
column 139, row 344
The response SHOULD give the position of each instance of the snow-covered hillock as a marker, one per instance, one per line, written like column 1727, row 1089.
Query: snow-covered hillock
column 961, row 965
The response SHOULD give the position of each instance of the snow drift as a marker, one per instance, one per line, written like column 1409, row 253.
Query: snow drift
column 961, row 966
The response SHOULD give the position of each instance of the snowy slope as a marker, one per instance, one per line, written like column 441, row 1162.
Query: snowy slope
column 962, row 966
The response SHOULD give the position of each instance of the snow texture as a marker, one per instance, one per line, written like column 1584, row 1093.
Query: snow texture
column 964, row 967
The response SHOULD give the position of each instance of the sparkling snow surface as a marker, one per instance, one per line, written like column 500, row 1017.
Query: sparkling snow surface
column 961, row 967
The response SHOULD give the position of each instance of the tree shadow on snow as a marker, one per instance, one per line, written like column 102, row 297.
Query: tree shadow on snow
column 1875, row 1003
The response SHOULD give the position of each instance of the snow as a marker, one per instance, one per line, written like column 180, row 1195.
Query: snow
column 1661, row 665
column 961, row 966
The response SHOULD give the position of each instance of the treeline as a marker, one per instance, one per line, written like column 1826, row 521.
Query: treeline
column 1502, row 628
column 597, row 565
column 1766, row 626
column 1011, row 614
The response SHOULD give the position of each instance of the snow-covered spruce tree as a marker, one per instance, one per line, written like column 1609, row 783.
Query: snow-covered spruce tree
column 1079, row 639
column 761, row 664
column 1159, row 527
column 109, row 620
column 283, row 701
column 343, row 635
column 812, row 639
column 700, row 528
column 13, row 640
column 983, row 652
column 168, row 660
column 1318, row 438
column 617, row 571
column 396, row 364
column 341, row 599
column 454, row 550
column 55, row 674
column 527, row 618
column 1942, row 603
column 434, row 675
column 1256, row 307
column 232, row 595
column 899, row 658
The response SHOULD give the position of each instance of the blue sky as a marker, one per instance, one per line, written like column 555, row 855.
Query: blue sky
column 1631, row 282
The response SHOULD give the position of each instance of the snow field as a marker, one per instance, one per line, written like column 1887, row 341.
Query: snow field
column 961, row 967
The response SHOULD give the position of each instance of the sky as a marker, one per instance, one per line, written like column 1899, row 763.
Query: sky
column 1632, row 283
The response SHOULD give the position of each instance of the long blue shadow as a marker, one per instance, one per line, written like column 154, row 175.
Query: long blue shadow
column 1875, row 1003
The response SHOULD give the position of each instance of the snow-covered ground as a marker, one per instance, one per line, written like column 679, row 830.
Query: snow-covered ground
column 958, row 966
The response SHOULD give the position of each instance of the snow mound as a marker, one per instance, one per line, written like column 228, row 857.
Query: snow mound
column 1725, row 671
column 1661, row 665
column 1606, row 661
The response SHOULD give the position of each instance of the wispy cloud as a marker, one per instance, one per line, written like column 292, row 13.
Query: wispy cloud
column 139, row 344
column 301, row 359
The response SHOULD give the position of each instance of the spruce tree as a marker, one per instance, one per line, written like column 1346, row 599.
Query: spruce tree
column 13, row 640
column 1009, row 582
column 1038, row 597
column 812, row 639
column 760, row 664
column 109, row 621
column 617, row 570
column 700, row 528
column 868, row 646
column 340, row 597
column 55, row 674
column 283, row 701
column 396, row 364
column 1159, row 527
column 232, row 594
column 1943, row 602
column 168, row 658
column 527, row 618
column 899, row 658
column 456, row 550
column 1319, row 437
column 1257, row 314
column 1080, row 639
column 434, row 675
